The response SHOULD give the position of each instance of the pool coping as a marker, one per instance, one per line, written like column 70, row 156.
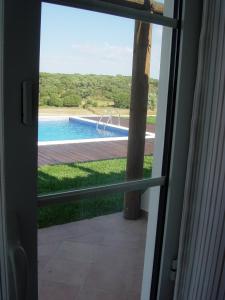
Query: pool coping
column 149, row 135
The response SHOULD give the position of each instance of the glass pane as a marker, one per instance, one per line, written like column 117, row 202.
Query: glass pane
column 165, row 6
column 97, row 119
column 128, row 3
column 85, row 96
column 97, row 258
column 162, row 7
column 88, row 104
column 80, row 209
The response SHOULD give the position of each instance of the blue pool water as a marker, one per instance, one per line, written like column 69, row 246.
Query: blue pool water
column 73, row 129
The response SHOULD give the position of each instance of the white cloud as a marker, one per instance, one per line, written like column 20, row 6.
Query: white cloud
column 104, row 51
column 102, row 58
column 90, row 58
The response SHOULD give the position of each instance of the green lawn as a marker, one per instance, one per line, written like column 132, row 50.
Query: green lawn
column 52, row 178
column 151, row 120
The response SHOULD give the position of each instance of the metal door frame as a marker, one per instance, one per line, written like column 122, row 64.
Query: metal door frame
column 19, row 69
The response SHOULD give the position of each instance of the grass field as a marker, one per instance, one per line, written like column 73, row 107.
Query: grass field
column 151, row 120
column 66, row 111
column 52, row 178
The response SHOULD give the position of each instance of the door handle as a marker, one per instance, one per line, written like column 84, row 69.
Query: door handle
column 27, row 103
column 18, row 263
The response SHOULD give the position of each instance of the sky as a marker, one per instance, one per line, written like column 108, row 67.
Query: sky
column 80, row 41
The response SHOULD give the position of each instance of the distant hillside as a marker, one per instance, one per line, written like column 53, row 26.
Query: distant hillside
column 89, row 90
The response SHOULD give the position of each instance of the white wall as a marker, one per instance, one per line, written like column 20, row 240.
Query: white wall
column 190, row 28
column 150, row 199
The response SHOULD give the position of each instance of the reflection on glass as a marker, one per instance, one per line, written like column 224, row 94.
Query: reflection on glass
column 70, row 255
column 80, row 209
column 84, row 121
column 84, row 100
column 161, row 7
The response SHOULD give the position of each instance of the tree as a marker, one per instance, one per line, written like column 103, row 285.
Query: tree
column 138, row 114
column 54, row 100
column 138, row 107
column 72, row 101
column 122, row 100
column 104, row 89
column 152, row 99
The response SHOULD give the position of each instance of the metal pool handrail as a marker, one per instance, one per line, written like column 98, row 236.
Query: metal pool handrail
column 110, row 116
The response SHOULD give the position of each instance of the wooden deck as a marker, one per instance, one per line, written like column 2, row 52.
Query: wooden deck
column 58, row 154
column 123, row 122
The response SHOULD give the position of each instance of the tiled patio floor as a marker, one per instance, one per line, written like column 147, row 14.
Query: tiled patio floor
column 95, row 259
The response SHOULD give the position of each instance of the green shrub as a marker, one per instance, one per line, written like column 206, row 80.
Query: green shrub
column 54, row 101
column 85, row 105
column 71, row 101
column 122, row 100
column 100, row 88
column 90, row 103
column 152, row 99
column 43, row 100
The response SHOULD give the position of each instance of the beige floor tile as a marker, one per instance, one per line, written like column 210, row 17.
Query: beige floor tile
column 109, row 276
column 98, row 294
column 57, row 291
column 99, row 258
column 66, row 271
column 77, row 252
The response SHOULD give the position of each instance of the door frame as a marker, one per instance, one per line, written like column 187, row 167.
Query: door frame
column 191, row 16
column 19, row 40
column 20, row 32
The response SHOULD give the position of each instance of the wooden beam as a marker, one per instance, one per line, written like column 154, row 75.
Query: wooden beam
column 138, row 114
column 129, row 3
column 124, row 11
column 155, row 6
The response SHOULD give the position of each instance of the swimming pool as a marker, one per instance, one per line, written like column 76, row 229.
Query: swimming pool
column 72, row 129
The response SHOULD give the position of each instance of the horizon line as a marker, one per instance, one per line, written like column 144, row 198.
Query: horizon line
column 99, row 74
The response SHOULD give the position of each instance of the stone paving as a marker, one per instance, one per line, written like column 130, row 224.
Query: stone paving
column 94, row 259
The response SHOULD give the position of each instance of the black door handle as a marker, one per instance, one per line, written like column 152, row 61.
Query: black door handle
column 27, row 103
column 18, row 263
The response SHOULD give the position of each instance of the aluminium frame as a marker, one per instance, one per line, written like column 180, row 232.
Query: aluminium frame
column 134, row 185
column 77, row 194
column 118, row 10
column 142, row 184
column 171, row 103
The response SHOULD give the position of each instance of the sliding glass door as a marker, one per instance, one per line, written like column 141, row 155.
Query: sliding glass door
column 20, row 39
column 22, row 90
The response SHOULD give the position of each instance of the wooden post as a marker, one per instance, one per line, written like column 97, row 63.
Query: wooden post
column 138, row 114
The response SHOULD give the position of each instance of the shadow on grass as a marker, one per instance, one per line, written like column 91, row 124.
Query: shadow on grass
column 49, row 183
column 71, row 176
